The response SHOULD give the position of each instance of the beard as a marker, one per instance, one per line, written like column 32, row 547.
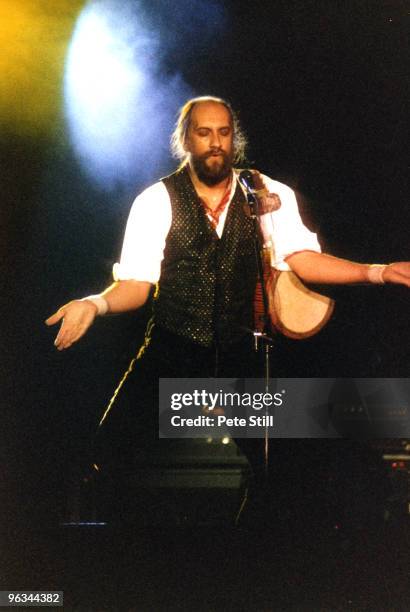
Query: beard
column 212, row 170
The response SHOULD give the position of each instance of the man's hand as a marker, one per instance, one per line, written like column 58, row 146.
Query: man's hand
column 398, row 273
column 77, row 316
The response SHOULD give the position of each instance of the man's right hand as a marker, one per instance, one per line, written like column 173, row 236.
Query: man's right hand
column 77, row 316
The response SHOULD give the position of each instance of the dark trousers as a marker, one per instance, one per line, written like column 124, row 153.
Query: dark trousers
column 130, row 428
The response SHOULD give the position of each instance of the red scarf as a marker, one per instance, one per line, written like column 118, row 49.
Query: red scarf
column 217, row 212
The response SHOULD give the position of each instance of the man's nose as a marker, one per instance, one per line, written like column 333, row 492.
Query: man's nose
column 215, row 140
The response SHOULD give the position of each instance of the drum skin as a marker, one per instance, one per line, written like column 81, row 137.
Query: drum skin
column 294, row 310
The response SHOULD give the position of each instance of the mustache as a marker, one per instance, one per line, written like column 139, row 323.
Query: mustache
column 213, row 152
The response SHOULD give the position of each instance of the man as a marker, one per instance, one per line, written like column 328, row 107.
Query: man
column 190, row 234
column 206, row 133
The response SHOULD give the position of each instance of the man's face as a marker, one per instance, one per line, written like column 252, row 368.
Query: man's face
column 209, row 142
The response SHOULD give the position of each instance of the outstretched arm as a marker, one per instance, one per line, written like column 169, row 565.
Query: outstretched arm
column 77, row 316
column 321, row 268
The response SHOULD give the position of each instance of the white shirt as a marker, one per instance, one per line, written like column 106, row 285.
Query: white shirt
column 150, row 220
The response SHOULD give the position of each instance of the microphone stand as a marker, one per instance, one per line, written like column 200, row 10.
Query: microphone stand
column 262, row 338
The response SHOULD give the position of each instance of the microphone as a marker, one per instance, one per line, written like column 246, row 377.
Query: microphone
column 247, row 181
column 258, row 194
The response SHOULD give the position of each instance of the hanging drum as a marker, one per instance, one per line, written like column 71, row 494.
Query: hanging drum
column 294, row 310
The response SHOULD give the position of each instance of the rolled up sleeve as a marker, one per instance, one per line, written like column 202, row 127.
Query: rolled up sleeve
column 283, row 230
column 145, row 235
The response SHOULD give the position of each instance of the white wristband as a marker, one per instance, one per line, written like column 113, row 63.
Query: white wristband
column 100, row 302
column 375, row 273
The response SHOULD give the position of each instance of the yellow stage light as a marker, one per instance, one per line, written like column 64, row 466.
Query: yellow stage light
column 34, row 36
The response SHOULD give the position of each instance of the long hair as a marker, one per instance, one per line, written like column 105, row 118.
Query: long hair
column 184, row 120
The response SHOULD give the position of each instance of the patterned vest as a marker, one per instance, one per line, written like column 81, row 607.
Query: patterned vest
column 207, row 283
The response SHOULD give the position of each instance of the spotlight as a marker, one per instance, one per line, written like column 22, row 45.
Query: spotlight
column 119, row 107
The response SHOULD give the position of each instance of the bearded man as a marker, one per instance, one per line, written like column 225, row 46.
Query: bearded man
column 189, row 234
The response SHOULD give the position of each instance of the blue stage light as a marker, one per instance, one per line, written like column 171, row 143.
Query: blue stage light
column 120, row 108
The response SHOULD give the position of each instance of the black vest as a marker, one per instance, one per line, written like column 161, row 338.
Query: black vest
column 207, row 284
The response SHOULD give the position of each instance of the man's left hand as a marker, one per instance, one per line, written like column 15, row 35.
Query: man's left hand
column 398, row 273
